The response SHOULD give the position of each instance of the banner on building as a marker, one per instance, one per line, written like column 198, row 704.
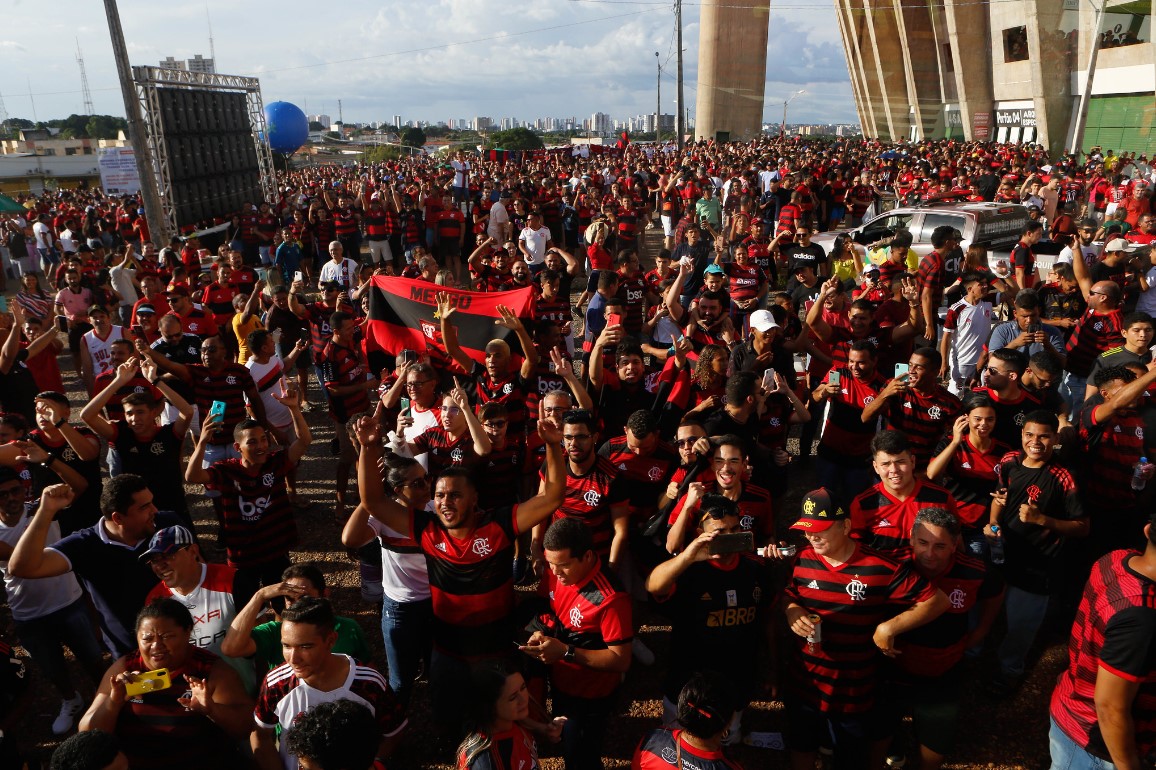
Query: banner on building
column 118, row 175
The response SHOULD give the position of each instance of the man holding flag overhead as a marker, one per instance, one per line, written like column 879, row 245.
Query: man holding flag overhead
column 497, row 381
column 403, row 314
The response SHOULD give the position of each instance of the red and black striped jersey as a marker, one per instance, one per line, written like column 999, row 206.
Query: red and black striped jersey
column 744, row 282
column 840, row 673
column 660, row 749
column 471, row 581
column 320, row 332
column 1114, row 630
column 342, row 366
column 644, row 477
column 1109, row 449
column 486, row 278
column 971, row 478
column 218, row 300
column 1032, row 551
column 590, row 497
column 846, row 438
column 258, row 525
column 376, row 228
column 152, row 723
column 345, row 222
column 511, row 391
column 924, row 417
column 593, row 616
column 883, row 522
column 841, row 340
column 503, row 471
column 933, row 649
column 1093, row 334
column 444, row 451
column 113, row 408
column 627, row 222
column 227, row 385
column 632, row 291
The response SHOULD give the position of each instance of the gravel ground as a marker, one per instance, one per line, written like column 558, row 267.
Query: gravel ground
column 1008, row 734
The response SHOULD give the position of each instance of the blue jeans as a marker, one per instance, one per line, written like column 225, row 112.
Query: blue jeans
column 1025, row 614
column 406, row 631
column 42, row 637
column 1068, row 755
column 1072, row 389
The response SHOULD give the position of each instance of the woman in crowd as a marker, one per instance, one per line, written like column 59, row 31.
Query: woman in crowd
column 498, row 722
column 193, row 721
column 966, row 465
column 37, row 302
column 705, row 710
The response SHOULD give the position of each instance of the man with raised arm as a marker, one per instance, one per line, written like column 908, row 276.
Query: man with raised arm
column 470, row 553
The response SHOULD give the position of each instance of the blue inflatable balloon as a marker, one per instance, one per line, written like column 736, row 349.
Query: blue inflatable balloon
column 286, row 127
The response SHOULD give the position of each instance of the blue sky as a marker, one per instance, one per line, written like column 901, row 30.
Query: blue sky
column 431, row 59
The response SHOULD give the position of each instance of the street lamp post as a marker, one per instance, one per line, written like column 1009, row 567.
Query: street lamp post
column 791, row 98
column 658, row 102
column 1090, row 74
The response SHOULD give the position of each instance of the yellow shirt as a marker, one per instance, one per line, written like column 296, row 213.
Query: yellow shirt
column 881, row 255
column 242, row 331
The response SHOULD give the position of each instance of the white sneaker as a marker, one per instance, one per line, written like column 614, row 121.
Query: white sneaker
column 641, row 652
column 69, row 710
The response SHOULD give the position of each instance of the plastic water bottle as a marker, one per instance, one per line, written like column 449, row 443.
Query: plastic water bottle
column 1138, row 480
column 997, row 553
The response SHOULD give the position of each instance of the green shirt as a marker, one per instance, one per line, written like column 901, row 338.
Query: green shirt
column 350, row 641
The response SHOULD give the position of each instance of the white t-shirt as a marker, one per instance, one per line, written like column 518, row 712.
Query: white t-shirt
column 67, row 241
column 461, row 172
column 344, row 272
column 121, row 279
column 43, row 234
column 498, row 217
column 31, row 598
column 970, row 326
column 535, row 241
column 404, row 576
column 270, row 381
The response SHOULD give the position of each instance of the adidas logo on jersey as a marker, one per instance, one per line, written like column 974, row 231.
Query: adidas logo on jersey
column 884, row 523
column 813, row 584
column 441, row 547
column 966, row 466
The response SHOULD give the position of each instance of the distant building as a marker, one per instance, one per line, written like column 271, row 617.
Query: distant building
column 600, row 123
column 1012, row 71
column 323, row 119
column 482, row 123
column 46, row 143
column 196, row 64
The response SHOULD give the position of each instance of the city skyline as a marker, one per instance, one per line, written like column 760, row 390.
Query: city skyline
column 427, row 61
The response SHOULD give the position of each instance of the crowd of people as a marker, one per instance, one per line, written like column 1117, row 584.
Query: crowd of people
column 629, row 445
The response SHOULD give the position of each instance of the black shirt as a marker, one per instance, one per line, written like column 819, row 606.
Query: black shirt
column 811, row 256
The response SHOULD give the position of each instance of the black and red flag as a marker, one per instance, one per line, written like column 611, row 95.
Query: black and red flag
column 403, row 315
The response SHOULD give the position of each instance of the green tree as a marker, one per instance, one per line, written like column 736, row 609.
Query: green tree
column 413, row 137
column 104, row 127
column 520, row 138
column 315, row 126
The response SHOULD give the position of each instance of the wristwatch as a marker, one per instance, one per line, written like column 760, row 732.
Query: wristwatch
column 570, row 653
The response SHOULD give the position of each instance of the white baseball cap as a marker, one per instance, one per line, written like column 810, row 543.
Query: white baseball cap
column 763, row 321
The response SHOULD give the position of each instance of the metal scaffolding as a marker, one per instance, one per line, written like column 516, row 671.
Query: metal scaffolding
column 148, row 82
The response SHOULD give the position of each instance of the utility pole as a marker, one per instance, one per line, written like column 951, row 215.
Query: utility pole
column 679, row 124
column 158, row 225
column 212, row 48
column 658, row 102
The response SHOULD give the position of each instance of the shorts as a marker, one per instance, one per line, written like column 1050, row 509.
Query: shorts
column 849, row 734
column 667, row 226
column 933, row 703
